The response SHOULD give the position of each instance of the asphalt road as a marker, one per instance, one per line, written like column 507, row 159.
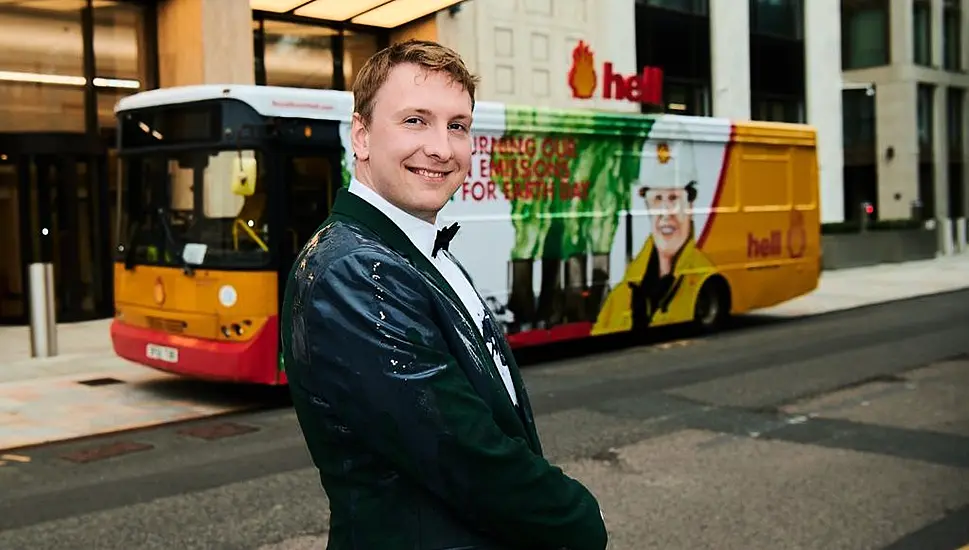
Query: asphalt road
column 848, row 430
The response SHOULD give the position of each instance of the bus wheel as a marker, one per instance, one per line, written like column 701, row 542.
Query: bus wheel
column 712, row 305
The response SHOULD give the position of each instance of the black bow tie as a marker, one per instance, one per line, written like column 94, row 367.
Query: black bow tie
column 444, row 237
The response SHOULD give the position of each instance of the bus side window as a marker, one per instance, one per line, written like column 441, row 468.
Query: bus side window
column 310, row 197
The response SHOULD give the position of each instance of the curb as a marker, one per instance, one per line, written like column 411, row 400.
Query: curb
column 129, row 430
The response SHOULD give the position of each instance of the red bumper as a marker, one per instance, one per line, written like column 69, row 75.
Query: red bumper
column 536, row 337
column 254, row 361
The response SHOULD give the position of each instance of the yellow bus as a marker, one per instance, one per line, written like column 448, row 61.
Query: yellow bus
column 574, row 223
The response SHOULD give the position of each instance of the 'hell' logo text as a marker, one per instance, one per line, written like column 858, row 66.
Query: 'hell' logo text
column 764, row 247
column 583, row 79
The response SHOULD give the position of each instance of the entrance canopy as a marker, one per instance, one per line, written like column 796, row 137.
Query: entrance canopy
column 374, row 13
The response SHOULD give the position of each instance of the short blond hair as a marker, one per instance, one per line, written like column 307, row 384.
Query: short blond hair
column 430, row 56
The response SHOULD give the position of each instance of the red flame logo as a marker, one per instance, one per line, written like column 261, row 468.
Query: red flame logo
column 582, row 75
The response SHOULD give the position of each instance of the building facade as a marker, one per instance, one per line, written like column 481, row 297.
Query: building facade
column 906, row 73
column 745, row 59
column 65, row 63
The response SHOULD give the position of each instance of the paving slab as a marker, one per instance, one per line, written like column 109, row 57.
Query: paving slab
column 73, row 340
column 55, row 408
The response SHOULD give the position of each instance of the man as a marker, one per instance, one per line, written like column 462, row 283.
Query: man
column 406, row 391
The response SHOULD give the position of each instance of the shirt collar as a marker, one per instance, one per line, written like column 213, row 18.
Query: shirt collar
column 421, row 233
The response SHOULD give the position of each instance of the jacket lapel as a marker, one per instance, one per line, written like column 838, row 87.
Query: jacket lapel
column 524, row 406
column 358, row 211
column 348, row 207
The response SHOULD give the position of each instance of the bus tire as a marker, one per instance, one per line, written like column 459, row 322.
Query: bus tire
column 712, row 307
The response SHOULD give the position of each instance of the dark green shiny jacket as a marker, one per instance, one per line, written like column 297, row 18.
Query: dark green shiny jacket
column 418, row 445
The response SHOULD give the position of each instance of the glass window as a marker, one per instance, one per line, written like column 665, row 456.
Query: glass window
column 865, row 35
column 258, row 51
column 299, row 56
column 954, row 103
column 952, row 37
column 306, row 55
column 120, row 53
column 42, row 73
column 12, row 288
column 922, row 28
column 859, row 118
column 685, row 98
column 696, row 7
column 196, row 209
column 357, row 48
column 41, row 66
column 925, row 101
column 777, row 109
column 777, row 17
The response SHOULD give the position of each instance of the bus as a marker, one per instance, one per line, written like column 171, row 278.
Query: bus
column 574, row 223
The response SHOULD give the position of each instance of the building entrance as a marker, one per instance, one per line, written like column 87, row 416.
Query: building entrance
column 54, row 207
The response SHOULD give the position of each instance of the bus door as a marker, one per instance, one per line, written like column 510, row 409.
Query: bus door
column 311, row 178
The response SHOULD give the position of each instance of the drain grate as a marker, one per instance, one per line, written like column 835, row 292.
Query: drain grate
column 100, row 382
column 93, row 454
column 217, row 431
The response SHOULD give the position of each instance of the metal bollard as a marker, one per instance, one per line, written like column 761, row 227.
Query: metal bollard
column 961, row 244
column 866, row 210
column 43, row 317
column 948, row 244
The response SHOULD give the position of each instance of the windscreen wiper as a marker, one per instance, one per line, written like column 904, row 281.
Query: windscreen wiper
column 186, row 268
column 131, row 243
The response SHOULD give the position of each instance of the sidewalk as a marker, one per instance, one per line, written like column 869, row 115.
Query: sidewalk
column 861, row 286
column 44, row 400
column 87, row 390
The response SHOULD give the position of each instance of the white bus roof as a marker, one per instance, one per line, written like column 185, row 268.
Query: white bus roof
column 270, row 101
column 335, row 105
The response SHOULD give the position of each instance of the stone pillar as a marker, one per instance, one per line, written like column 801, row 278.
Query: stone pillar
column 964, row 10
column 937, row 19
column 822, row 56
column 205, row 42
column 730, row 58
column 901, row 21
column 963, row 244
column 940, row 157
column 896, row 118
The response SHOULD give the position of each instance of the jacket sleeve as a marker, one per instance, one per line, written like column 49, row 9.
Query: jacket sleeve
column 378, row 361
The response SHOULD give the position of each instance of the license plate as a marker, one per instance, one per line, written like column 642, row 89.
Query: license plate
column 161, row 353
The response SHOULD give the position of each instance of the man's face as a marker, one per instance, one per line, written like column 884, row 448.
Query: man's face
column 670, row 213
column 416, row 151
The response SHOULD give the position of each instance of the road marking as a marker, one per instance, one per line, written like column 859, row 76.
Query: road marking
column 15, row 458
column 679, row 344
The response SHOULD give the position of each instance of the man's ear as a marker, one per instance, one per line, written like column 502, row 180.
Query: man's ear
column 359, row 137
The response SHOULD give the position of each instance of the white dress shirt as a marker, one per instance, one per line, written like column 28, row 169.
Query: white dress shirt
column 423, row 235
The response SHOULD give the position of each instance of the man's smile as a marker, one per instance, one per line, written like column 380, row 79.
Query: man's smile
column 434, row 175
